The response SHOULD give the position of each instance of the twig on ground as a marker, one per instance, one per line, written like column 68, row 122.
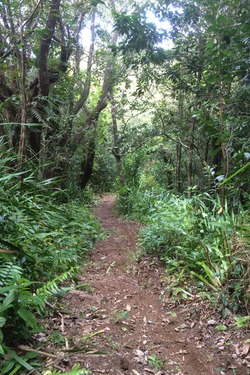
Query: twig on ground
column 40, row 352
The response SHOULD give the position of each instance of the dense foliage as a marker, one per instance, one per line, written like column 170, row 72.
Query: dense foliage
column 42, row 244
column 182, row 88
column 147, row 98
column 196, row 239
column 187, row 169
column 197, row 99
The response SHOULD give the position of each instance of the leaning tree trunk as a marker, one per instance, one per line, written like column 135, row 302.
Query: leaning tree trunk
column 35, row 132
column 92, row 117
column 116, row 148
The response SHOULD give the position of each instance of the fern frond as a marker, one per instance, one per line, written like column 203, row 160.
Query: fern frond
column 9, row 273
column 37, row 115
column 51, row 288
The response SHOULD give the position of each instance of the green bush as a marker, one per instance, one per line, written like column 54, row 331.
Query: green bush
column 42, row 244
column 171, row 224
column 138, row 203
column 196, row 238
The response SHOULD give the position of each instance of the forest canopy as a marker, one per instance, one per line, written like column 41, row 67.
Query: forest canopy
column 70, row 70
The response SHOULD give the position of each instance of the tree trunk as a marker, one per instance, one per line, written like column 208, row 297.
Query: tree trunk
column 86, row 87
column 190, row 154
column 217, row 155
column 116, row 148
column 23, row 134
column 35, row 132
column 224, row 153
column 2, row 131
column 87, row 164
column 92, row 116
column 178, row 166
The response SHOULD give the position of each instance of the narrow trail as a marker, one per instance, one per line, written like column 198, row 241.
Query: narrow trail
column 126, row 322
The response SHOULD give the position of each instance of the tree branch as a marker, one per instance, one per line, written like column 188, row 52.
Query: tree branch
column 45, row 45
column 86, row 87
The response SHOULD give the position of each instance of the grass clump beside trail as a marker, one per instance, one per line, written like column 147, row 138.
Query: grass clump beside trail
column 197, row 239
column 42, row 243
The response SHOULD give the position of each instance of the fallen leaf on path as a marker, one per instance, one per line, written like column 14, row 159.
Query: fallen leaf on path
column 173, row 314
column 192, row 324
column 181, row 351
column 141, row 357
column 245, row 349
column 181, row 327
column 211, row 322
column 221, row 327
column 128, row 308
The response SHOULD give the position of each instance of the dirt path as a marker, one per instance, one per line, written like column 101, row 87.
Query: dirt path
column 126, row 323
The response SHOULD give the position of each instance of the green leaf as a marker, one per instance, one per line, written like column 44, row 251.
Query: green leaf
column 28, row 317
column 7, row 303
column 14, row 371
column 173, row 314
column 19, row 359
column 235, row 174
column 7, row 367
column 242, row 321
column 94, row 3
column 182, row 326
column 203, row 280
column 12, row 175
column 1, row 350
column 221, row 327
column 2, row 321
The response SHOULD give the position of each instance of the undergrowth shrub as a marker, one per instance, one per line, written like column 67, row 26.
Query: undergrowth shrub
column 46, row 239
column 198, row 239
column 41, row 245
column 138, row 203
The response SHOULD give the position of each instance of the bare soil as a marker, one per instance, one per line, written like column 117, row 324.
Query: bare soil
column 125, row 321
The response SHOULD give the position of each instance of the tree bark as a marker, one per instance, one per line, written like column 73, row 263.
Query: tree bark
column 92, row 118
column 87, row 164
column 178, row 166
column 45, row 45
column 22, row 141
column 116, row 148
column 222, row 135
column 87, row 83
column 44, row 81
column 190, row 154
